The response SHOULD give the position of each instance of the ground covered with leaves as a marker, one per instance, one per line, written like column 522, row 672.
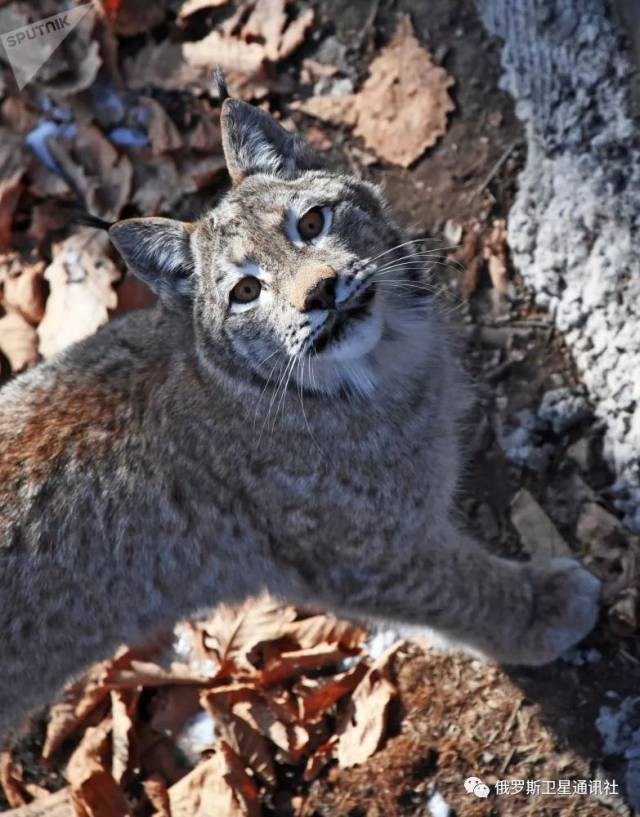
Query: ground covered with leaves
column 265, row 709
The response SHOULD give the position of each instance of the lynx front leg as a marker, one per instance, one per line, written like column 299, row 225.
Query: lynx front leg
column 513, row 612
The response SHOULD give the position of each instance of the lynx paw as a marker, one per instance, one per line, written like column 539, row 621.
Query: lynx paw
column 565, row 609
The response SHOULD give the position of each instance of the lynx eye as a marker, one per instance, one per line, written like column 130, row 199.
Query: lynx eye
column 311, row 223
column 246, row 290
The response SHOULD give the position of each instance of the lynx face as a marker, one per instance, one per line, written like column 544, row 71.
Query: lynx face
column 298, row 273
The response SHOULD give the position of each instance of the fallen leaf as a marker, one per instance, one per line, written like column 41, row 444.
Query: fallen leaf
column 219, row 786
column 99, row 175
column 78, row 701
column 158, row 796
column 11, row 781
column 281, row 665
column 81, row 292
column 123, row 708
column 318, row 760
column 401, row 109
column 162, row 133
column 325, row 628
column 193, row 6
column 494, row 253
column 12, row 166
column 94, row 791
column 59, row 804
column 316, row 696
column 18, row 341
column 260, row 33
column 247, row 742
column 364, row 721
column 232, row 632
column 23, row 290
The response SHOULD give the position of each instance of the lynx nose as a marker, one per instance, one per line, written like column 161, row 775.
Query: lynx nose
column 314, row 287
column 322, row 295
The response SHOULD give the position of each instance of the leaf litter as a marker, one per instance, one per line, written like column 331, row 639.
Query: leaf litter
column 288, row 691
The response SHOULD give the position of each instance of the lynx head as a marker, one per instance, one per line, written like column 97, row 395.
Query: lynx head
column 298, row 272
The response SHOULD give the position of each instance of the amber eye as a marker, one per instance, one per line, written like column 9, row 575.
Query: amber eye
column 311, row 223
column 246, row 290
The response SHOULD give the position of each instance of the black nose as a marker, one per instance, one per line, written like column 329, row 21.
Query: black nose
column 322, row 295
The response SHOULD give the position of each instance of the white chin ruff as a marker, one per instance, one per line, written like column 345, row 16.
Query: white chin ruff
column 361, row 337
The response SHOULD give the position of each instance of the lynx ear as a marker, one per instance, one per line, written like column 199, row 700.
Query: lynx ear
column 254, row 142
column 157, row 250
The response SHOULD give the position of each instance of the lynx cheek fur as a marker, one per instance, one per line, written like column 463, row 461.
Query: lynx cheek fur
column 285, row 418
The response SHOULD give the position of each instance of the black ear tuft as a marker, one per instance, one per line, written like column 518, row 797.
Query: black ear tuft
column 157, row 250
column 221, row 84
column 254, row 142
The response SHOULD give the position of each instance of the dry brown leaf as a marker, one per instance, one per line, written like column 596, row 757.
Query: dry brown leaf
column 158, row 796
column 219, row 786
column 81, row 293
column 12, row 167
column 55, row 805
column 156, row 185
column 94, row 791
column 192, row 6
column 18, row 341
column 494, row 253
column 83, row 698
column 230, row 54
column 147, row 673
column 77, row 702
column 364, row 722
column 281, row 665
column 162, row 133
column 247, row 42
column 123, row 708
column 316, row 696
column 274, row 717
column 11, row 781
column 402, row 107
column 252, row 747
column 324, row 754
column 99, row 174
column 24, row 291
column 232, row 632
column 327, row 629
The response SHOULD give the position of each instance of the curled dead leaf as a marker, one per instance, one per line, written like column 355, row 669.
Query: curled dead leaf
column 401, row 109
column 218, row 786
column 494, row 253
column 94, row 791
column 23, row 290
column 11, row 781
column 259, row 33
column 59, row 804
column 80, row 277
column 18, row 341
column 364, row 721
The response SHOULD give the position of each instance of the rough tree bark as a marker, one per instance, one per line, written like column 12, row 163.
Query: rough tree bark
column 573, row 229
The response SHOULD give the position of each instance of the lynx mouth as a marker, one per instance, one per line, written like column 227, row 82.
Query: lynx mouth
column 342, row 321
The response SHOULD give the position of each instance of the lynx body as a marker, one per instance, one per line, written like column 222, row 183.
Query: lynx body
column 285, row 418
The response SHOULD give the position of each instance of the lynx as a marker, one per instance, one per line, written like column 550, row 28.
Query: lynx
column 286, row 417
